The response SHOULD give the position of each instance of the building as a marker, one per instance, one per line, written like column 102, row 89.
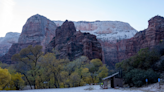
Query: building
column 113, row 81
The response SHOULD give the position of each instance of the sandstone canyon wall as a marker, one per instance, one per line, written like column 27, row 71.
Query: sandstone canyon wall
column 118, row 39
column 7, row 41
column 105, row 30
column 108, row 34
column 72, row 44
column 38, row 30
column 124, row 49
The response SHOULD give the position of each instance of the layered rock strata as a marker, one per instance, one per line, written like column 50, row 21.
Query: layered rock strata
column 105, row 30
column 7, row 41
column 147, row 38
column 71, row 44
column 107, row 33
column 38, row 30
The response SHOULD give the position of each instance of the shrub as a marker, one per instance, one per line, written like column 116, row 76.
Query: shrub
column 136, row 77
column 5, row 78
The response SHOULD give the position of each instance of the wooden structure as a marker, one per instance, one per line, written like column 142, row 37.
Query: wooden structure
column 113, row 81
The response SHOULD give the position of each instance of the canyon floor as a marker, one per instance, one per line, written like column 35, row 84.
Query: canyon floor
column 96, row 88
column 153, row 88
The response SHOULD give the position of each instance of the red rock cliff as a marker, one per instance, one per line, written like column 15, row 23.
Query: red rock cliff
column 72, row 44
column 116, row 52
column 38, row 30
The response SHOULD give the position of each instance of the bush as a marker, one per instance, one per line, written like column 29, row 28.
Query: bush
column 141, row 66
column 16, row 82
column 152, row 76
column 136, row 77
column 5, row 78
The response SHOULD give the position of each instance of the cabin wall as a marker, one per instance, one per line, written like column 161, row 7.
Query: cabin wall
column 109, row 83
column 118, row 82
column 106, row 83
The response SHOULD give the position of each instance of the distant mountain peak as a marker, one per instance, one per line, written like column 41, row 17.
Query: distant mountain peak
column 156, row 17
column 7, row 41
column 156, row 21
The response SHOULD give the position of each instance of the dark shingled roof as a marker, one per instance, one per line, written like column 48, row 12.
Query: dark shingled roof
column 110, row 76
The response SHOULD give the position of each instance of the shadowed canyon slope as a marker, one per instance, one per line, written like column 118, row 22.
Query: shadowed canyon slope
column 38, row 30
column 124, row 49
column 7, row 41
column 72, row 44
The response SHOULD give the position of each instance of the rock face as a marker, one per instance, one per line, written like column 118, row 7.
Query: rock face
column 118, row 39
column 124, row 49
column 105, row 30
column 7, row 41
column 147, row 38
column 71, row 43
column 118, row 43
column 38, row 30
column 107, row 33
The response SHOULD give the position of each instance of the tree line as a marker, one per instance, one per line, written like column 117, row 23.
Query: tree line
column 146, row 64
column 39, row 70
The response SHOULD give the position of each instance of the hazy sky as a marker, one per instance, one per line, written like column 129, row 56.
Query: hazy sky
column 14, row 13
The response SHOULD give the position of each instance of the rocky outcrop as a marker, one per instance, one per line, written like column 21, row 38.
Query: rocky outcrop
column 105, row 30
column 71, row 44
column 38, row 30
column 124, row 49
column 147, row 38
column 7, row 41
column 108, row 34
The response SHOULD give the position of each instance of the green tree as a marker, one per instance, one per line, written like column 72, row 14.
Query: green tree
column 141, row 66
column 86, row 75
column 94, row 67
column 103, row 72
column 64, row 78
column 5, row 78
column 53, row 67
column 136, row 77
column 16, row 82
column 75, row 79
column 28, row 59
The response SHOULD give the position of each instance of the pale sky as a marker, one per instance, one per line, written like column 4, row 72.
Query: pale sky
column 14, row 13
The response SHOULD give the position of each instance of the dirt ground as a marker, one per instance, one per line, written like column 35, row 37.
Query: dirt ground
column 96, row 88
column 153, row 88
column 93, row 88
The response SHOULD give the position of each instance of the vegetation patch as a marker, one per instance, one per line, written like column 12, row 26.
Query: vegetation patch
column 41, row 71
column 142, row 66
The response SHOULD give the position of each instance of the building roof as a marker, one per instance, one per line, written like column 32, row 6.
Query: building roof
column 110, row 76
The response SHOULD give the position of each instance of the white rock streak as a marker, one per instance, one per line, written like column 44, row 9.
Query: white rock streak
column 105, row 30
